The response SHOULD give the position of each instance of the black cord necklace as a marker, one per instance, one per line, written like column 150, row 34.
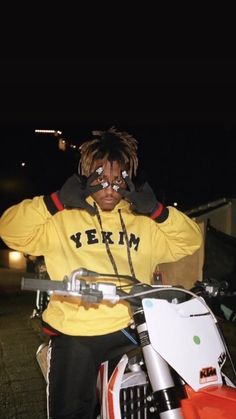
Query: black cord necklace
column 110, row 255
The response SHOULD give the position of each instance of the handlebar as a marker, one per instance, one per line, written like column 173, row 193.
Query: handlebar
column 93, row 292
column 97, row 291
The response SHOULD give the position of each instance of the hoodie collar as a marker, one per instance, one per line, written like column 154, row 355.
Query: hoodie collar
column 122, row 205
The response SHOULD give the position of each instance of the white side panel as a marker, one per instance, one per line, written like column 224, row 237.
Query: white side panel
column 187, row 338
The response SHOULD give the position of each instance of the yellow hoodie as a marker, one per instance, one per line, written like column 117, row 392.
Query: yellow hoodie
column 72, row 238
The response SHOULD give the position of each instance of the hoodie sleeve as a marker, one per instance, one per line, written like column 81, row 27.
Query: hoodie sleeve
column 175, row 237
column 26, row 226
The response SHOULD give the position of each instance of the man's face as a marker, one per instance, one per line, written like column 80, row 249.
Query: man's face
column 108, row 198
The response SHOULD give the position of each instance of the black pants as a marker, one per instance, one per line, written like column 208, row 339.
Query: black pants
column 73, row 367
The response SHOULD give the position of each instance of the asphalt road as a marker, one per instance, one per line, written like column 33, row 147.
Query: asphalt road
column 22, row 386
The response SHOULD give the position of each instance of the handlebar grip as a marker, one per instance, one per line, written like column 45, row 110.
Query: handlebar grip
column 33, row 284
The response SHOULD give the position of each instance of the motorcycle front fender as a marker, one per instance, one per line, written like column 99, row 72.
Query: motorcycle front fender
column 218, row 402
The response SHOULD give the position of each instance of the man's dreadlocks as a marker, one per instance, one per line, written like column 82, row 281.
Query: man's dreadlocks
column 111, row 145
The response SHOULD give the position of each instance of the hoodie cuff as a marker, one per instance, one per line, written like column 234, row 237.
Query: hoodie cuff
column 53, row 203
column 160, row 213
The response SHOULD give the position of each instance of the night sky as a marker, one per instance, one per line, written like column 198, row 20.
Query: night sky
column 185, row 123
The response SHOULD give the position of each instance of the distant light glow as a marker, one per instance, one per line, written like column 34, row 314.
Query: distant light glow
column 23, row 164
column 16, row 260
column 15, row 256
column 48, row 131
column 62, row 144
column 175, row 204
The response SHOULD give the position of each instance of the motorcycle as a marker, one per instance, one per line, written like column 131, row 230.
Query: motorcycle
column 177, row 369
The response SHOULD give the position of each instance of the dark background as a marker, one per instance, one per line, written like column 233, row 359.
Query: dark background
column 183, row 114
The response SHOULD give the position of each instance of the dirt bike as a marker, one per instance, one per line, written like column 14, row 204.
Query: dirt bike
column 177, row 369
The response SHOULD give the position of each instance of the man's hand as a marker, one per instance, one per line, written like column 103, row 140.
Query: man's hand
column 77, row 188
column 143, row 200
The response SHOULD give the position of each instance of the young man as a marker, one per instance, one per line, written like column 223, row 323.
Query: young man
column 99, row 221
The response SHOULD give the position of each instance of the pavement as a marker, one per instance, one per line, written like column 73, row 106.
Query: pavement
column 22, row 385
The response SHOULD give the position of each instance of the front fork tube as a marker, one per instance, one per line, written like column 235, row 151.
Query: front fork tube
column 164, row 391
